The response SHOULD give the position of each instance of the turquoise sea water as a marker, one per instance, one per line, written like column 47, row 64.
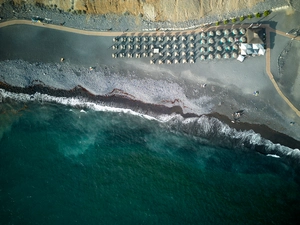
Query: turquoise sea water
column 62, row 165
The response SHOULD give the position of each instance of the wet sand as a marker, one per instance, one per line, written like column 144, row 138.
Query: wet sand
column 155, row 110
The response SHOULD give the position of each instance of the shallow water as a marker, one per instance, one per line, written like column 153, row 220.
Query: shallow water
column 63, row 165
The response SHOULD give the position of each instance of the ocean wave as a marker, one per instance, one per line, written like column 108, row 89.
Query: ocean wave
column 210, row 130
column 217, row 133
column 74, row 102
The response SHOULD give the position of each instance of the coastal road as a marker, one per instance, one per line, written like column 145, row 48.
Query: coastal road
column 114, row 34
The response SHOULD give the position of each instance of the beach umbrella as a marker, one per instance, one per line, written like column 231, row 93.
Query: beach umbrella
column 151, row 54
column 191, row 53
column 183, row 53
column 121, row 55
column 160, row 46
column 145, row 54
column 234, row 55
column 183, row 46
column 121, row 39
column 160, row 61
column 130, row 39
column 234, row 31
column 175, row 46
column 168, row 54
column 192, row 38
column 211, row 33
column 219, row 48
column 137, row 55
column 203, row 35
column 115, row 47
column 129, row 46
column 115, row 40
column 113, row 55
column 192, row 45
column 152, row 61
column 243, row 39
column 184, row 61
column 129, row 55
column 123, row 46
column 202, row 57
column 176, row 54
column 151, row 46
column 145, row 38
column 211, row 41
column 223, row 40
column 228, row 48
column 168, row 46
column 169, row 61
column 153, row 38
column 226, row 55
column 137, row 39
column 174, row 38
column 168, row 38
column 211, row 48
column 137, row 46
column 202, row 49
column 210, row 56
column 145, row 47
column 226, row 32
column 218, row 32
column 203, row 42
column 176, row 61
column 159, row 38
column 183, row 38
column 161, row 54
column 242, row 31
column 116, row 55
column 218, row 56
column 235, row 47
column 230, row 39
column 192, row 61
column 124, row 39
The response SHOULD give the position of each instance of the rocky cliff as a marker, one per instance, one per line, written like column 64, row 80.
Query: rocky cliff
column 153, row 10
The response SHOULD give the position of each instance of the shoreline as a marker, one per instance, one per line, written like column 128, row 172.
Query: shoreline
column 229, row 85
column 155, row 110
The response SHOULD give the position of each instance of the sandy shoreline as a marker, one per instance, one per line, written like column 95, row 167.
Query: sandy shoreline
column 27, row 60
column 123, row 101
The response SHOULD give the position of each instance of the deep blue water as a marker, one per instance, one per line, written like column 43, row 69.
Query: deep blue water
column 59, row 165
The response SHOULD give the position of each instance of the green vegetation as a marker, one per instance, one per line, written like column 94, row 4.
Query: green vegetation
column 258, row 15
column 233, row 20
column 266, row 13
column 217, row 23
column 242, row 18
column 225, row 22
column 250, row 16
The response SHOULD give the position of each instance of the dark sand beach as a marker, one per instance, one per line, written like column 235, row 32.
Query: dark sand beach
column 31, row 55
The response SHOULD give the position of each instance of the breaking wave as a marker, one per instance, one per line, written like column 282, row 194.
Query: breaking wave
column 210, row 130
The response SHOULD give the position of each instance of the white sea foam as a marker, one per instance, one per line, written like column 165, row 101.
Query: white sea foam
column 272, row 155
column 211, row 129
column 74, row 102
column 221, row 134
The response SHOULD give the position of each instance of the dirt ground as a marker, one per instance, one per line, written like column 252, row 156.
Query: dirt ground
column 153, row 10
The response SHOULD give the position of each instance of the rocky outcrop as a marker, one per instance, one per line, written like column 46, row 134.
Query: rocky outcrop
column 153, row 10
column 158, row 10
